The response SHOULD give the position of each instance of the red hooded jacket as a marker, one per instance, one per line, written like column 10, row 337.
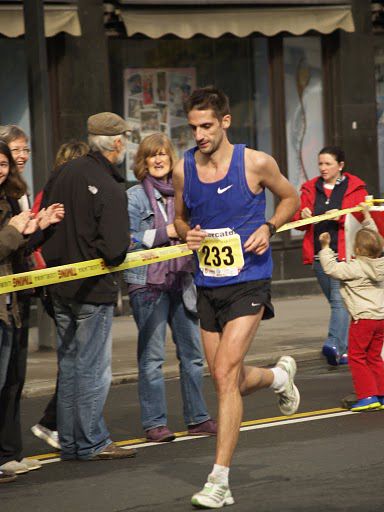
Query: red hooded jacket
column 354, row 195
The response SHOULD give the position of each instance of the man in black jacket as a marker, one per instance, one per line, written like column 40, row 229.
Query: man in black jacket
column 96, row 226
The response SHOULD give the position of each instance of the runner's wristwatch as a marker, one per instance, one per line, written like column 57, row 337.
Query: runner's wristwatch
column 272, row 228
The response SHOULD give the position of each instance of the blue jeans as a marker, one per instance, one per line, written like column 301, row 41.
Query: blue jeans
column 6, row 338
column 339, row 321
column 84, row 357
column 153, row 310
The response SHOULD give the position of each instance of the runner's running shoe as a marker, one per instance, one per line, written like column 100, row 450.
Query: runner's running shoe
column 289, row 396
column 212, row 495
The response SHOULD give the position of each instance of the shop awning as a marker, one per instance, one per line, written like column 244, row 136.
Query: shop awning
column 56, row 19
column 214, row 22
column 164, row 3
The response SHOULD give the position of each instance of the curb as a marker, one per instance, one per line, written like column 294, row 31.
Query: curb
column 304, row 357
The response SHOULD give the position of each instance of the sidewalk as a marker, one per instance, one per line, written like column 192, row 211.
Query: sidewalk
column 299, row 329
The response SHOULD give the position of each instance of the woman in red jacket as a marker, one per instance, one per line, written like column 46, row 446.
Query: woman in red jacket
column 334, row 189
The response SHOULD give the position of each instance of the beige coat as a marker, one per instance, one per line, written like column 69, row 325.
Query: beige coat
column 362, row 283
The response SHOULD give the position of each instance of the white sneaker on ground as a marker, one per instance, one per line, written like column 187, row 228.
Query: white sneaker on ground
column 15, row 467
column 212, row 495
column 289, row 396
column 31, row 464
column 49, row 436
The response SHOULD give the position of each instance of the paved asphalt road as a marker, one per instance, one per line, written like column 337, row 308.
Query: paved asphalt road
column 315, row 462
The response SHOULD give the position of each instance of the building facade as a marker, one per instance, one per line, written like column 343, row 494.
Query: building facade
column 299, row 75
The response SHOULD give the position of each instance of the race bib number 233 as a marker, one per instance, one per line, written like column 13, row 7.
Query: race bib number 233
column 220, row 254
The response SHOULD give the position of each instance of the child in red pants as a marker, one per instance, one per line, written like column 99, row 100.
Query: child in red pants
column 362, row 288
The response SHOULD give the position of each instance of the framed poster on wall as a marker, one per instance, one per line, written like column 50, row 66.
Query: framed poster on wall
column 153, row 102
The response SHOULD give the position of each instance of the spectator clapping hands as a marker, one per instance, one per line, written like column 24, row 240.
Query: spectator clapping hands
column 27, row 223
column 22, row 221
column 51, row 215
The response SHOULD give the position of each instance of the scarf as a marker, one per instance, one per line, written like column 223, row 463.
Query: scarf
column 164, row 273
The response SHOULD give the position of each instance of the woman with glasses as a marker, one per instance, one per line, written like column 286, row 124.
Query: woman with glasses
column 17, row 141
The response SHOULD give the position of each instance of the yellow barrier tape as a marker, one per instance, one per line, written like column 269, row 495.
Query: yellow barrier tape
column 90, row 268
column 318, row 218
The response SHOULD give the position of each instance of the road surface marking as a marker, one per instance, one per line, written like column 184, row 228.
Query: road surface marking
column 276, row 421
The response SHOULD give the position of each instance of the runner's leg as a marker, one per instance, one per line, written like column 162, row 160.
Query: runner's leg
column 225, row 354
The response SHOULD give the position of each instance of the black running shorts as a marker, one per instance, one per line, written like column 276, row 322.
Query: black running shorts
column 217, row 306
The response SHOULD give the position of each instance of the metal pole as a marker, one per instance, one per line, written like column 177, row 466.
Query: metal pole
column 41, row 124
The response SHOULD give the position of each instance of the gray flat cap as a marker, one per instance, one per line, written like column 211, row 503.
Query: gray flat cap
column 107, row 123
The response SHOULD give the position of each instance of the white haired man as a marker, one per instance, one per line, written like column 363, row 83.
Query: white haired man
column 96, row 226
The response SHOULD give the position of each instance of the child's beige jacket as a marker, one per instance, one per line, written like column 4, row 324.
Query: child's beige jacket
column 362, row 283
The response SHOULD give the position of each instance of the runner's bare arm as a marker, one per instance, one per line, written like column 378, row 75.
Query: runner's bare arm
column 194, row 236
column 263, row 170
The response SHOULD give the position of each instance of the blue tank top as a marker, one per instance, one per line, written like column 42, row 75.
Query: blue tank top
column 227, row 203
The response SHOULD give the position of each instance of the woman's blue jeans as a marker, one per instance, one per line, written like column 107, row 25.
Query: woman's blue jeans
column 153, row 310
column 339, row 321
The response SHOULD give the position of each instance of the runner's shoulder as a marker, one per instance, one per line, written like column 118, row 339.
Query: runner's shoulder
column 258, row 161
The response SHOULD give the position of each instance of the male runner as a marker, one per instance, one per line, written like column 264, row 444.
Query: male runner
column 220, row 212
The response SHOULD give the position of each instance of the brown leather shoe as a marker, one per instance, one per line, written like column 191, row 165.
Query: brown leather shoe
column 113, row 451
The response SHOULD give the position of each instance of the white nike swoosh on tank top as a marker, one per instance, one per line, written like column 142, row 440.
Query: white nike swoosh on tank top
column 222, row 190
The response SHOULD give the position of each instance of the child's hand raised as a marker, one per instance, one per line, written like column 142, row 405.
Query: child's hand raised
column 366, row 213
column 325, row 239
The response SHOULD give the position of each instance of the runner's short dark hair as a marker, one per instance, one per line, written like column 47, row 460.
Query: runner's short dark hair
column 208, row 98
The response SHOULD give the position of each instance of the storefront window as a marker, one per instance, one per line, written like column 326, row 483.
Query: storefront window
column 304, row 106
column 379, row 74
column 14, row 108
column 172, row 67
